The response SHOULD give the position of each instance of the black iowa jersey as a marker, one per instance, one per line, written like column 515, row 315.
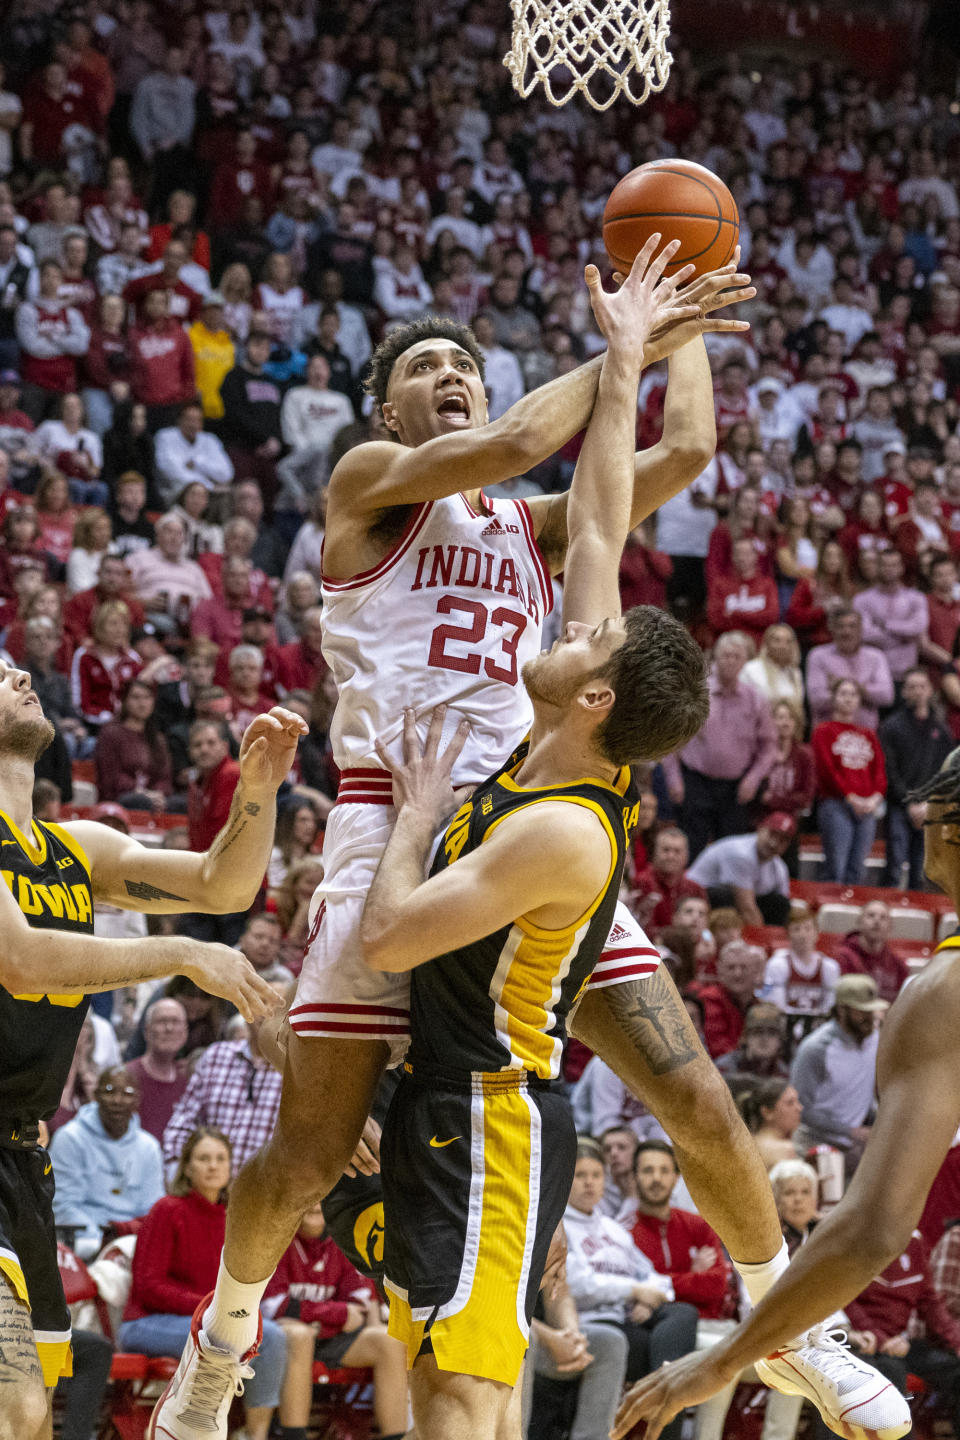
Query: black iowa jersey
column 502, row 1002
column 49, row 877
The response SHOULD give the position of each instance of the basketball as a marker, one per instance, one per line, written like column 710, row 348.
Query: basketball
column 682, row 200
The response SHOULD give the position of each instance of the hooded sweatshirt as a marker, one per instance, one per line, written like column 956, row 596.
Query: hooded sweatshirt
column 603, row 1266
column 100, row 1179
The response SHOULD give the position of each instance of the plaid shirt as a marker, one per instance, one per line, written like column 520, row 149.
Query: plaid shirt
column 945, row 1269
column 228, row 1091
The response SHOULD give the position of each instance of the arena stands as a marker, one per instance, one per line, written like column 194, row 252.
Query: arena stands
column 210, row 214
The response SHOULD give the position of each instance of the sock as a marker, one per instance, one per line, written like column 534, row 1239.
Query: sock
column 293, row 1432
column 758, row 1279
column 230, row 1320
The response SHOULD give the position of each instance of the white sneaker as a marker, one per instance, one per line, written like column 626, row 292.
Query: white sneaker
column 196, row 1403
column 855, row 1400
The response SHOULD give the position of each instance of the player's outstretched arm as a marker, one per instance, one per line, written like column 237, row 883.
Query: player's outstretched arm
column 548, row 861
column 918, row 1072
column 61, row 963
column 218, row 881
column 689, row 426
column 600, row 500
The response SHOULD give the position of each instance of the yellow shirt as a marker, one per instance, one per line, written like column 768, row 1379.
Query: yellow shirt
column 213, row 355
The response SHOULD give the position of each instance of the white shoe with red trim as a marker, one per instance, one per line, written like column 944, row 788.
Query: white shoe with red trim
column 196, row 1403
column 855, row 1400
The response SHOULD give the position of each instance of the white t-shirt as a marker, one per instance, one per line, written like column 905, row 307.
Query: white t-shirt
column 734, row 861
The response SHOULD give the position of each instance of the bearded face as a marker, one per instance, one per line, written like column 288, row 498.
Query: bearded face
column 25, row 737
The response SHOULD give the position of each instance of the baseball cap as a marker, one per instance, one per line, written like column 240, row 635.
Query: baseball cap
column 769, row 385
column 780, row 823
column 256, row 612
column 895, row 447
column 108, row 812
column 859, row 992
column 9, row 377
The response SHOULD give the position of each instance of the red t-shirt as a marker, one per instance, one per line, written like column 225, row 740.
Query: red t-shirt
column 849, row 760
column 209, row 801
column 649, row 881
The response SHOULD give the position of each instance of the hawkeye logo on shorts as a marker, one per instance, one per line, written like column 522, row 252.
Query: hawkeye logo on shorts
column 368, row 1234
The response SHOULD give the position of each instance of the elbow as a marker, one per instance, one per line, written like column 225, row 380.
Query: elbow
column 693, row 453
column 379, row 947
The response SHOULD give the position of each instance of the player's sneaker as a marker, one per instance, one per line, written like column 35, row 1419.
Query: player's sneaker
column 854, row 1399
column 196, row 1403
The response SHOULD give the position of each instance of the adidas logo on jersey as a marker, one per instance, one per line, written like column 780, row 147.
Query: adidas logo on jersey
column 497, row 527
column 617, row 934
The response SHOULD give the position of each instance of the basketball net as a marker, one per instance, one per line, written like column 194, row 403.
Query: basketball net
column 597, row 48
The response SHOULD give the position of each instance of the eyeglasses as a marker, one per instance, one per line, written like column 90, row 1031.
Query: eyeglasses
column 128, row 1091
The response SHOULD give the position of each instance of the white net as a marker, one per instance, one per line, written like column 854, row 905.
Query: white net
column 596, row 48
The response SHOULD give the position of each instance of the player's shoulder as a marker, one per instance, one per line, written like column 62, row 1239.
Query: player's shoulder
column 371, row 458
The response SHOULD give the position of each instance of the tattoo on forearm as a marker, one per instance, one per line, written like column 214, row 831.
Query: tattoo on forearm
column 652, row 1015
column 19, row 1360
column 141, row 890
column 227, row 837
column 251, row 809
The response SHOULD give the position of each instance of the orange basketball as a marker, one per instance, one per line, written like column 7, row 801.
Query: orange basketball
column 685, row 202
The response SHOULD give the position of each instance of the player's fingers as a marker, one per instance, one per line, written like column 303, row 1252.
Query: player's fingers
column 592, row 276
column 673, row 282
column 411, row 750
column 434, row 733
column 453, row 751
column 618, row 278
column 725, row 327
column 638, row 269
column 660, row 262
column 629, row 1413
column 722, row 298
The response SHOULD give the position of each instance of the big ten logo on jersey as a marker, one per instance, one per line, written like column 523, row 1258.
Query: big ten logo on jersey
column 458, row 830
column 487, row 635
column 70, row 902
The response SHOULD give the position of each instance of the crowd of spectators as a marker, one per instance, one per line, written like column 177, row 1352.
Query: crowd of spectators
column 208, row 217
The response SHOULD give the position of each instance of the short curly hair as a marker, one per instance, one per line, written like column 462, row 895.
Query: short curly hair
column 399, row 341
column 659, row 678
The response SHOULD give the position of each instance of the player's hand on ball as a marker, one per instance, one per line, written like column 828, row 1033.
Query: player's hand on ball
column 268, row 748
column 643, row 302
column 710, row 293
column 422, row 783
column 228, row 973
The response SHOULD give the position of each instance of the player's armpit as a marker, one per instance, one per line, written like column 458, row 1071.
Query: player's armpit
column 137, row 877
column 547, row 864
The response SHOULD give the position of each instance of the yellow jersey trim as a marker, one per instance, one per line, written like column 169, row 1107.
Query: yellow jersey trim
column 72, row 844
column 37, row 853
column 538, row 931
column 617, row 787
column 952, row 942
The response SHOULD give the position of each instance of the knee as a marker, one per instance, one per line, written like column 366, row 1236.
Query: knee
column 273, row 1345
column 303, row 1167
column 299, row 1337
column 607, row 1344
column 24, row 1412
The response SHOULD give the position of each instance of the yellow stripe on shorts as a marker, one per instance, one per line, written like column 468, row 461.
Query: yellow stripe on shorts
column 487, row 1334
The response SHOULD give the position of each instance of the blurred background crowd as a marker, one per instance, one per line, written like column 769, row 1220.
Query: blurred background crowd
column 209, row 215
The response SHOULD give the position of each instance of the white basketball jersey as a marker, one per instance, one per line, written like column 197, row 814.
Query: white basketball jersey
column 450, row 616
